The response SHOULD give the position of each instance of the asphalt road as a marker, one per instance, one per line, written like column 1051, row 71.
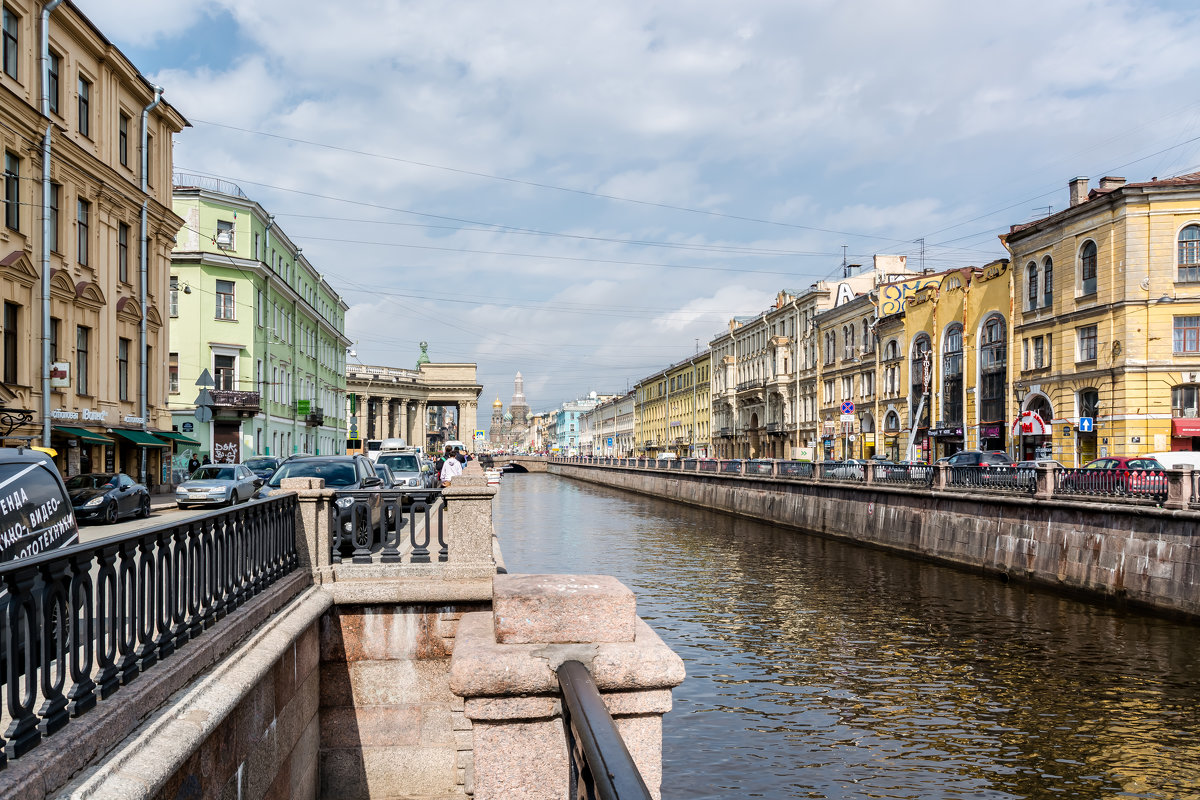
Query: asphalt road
column 90, row 531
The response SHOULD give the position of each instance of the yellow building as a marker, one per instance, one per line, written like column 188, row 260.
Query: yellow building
column 672, row 412
column 84, row 361
column 949, row 366
column 1106, row 320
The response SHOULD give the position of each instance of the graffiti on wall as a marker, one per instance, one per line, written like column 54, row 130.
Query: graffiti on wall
column 225, row 452
column 894, row 296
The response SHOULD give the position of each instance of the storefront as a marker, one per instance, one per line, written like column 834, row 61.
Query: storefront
column 133, row 446
column 949, row 440
column 175, row 462
column 1033, row 434
column 1185, row 434
column 79, row 450
column 991, row 436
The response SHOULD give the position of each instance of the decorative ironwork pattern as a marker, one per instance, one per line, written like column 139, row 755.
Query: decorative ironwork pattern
column 1149, row 484
column 368, row 525
column 78, row 624
column 994, row 477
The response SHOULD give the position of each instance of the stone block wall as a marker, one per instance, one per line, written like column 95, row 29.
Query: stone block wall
column 266, row 749
column 389, row 725
column 1137, row 554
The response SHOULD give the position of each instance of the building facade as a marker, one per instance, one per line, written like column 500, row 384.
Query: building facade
column 85, row 247
column 612, row 426
column 252, row 311
column 1106, row 319
column 848, row 373
column 673, row 410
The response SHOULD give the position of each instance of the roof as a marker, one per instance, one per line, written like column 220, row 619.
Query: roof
column 1190, row 179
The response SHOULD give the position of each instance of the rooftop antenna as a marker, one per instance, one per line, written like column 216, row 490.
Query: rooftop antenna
column 921, row 242
column 845, row 266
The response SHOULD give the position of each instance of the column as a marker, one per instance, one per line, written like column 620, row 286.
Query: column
column 403, row 421
column 466, row 424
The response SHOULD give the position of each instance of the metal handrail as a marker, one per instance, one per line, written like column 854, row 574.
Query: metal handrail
column 377, row 516
column 601, row 765
column 115, row 607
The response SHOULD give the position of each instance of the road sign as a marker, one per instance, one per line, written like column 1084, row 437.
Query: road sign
column 205, row 380
column 1086, row 425
column 203, row 414
column 846, row 418
column 847, row 407
column 480, row 435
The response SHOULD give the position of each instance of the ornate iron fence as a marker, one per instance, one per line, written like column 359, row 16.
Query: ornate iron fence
column 79, row 623
column 904, row 474
column 841, row 471
column 1149, row 484
column 994, row 477
column 369, row 526
column 796, row 469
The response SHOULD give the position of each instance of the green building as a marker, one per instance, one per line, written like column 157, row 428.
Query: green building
column 249, row 308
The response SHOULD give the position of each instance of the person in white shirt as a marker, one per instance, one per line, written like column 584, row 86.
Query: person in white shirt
column 451, row 469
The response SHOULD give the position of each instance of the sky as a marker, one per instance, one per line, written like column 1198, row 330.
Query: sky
column 589, row 192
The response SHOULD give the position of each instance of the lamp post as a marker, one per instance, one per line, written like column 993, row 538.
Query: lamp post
column 1019, row 392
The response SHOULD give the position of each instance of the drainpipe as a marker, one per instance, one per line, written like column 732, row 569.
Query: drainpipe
column 265, row 397
column 145, row 272
column 45, row 105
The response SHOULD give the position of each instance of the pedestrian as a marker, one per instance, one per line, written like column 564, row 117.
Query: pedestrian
column 193, row 464
column 452, row 468
column 205, row 461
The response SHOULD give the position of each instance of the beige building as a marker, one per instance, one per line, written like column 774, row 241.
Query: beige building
column 83, row 363
column 672, row 411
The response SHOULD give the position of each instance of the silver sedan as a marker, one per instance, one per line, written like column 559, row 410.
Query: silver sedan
column 217, row 485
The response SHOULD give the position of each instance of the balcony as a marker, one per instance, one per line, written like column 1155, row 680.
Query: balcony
column 315, row 417
column 772, row 427
column 747, row 385
column 238, row 401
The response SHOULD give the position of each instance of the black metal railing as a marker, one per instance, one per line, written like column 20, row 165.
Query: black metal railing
column 79, row 623
column 994, row 477
column 601, row 765
column 369, row 526
column 760, row 466
column 1149, row 484
column 904, row 474
column 734, row 465
column 795, row 469
column 841, row 470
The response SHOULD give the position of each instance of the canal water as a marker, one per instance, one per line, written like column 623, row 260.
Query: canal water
column 819, row 669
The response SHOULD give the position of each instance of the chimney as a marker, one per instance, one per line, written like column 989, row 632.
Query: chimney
column 1079, row 190
column 1108, row 183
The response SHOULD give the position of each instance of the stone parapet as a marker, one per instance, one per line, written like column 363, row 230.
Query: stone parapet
column 511, row 691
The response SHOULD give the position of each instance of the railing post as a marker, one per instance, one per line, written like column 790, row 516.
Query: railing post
column 1179, row 487
column 504, row 666
column 941, row 476
column 1045, row 482
column 869, row 472
column 314, row 524
column 468, row 502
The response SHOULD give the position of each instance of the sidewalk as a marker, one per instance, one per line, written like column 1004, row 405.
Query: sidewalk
column 162, row 500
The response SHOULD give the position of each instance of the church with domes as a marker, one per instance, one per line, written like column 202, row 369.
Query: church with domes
column 510, row 430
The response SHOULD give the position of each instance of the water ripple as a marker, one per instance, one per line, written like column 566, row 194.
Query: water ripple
column 816, row 669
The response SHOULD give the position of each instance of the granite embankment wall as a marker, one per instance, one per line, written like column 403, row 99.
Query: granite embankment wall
column 1144, row 556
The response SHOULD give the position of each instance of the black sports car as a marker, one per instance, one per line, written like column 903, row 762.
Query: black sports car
column 107, row 496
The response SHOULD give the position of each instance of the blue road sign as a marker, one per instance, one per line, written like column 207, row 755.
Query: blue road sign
column 1086, row 425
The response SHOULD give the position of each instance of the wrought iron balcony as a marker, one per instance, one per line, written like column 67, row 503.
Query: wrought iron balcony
column 754, row 384
column 772, row 427
column 235, row 400
column 315, row 417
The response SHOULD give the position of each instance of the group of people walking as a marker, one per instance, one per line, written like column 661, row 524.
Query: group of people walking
column 450, row 465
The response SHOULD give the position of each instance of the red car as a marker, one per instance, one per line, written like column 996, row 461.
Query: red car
column 1130, row 475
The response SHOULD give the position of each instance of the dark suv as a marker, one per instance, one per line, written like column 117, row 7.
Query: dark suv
column 980, row 458
column 35, row 511
column 338, row 472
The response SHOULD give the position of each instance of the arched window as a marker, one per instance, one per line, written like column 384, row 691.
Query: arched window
column 1189, row 253
column 952, row 376
column 1087, row 267
column 868, row 424
column 917, row 371
column 891, row 422
column 868, row 338
column 1031, row 286
column 892, row 351
column 993, row 370
column 1047, row 281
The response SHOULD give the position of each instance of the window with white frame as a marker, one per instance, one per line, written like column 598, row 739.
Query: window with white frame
column 225, row 300
column 1088, row 259
column 1189, row 253
column 224, row 234
column 1087, row 343
column 1186, row 335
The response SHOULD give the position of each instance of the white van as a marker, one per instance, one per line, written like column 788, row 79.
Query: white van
column 1176, row 458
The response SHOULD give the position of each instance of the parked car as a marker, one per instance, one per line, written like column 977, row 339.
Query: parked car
column 407, row 467
column 107, row 496
column 1027, row 470
column 37, row 513
column 850, row 469
column 263, row 466
column 1120, row 475
column 339, row 472
column 218, row 485
column 980, row 458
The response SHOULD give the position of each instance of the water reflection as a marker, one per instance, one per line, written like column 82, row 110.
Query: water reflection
column 817, row 669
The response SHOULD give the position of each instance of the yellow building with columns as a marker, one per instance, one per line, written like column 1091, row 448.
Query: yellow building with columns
column 1106, row 321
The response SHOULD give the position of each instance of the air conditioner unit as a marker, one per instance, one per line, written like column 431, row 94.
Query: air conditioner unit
column 225, row 239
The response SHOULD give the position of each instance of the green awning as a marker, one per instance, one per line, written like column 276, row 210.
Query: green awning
column 140, row 438
column 91, row 437
column 177, row 437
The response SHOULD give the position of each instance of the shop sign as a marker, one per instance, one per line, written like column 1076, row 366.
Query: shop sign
column 989, row 431
column 132, row 420
column 1030, row 423
column 60, row 413
column 1135, row 440
column 60, row 375
column 946, row 432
